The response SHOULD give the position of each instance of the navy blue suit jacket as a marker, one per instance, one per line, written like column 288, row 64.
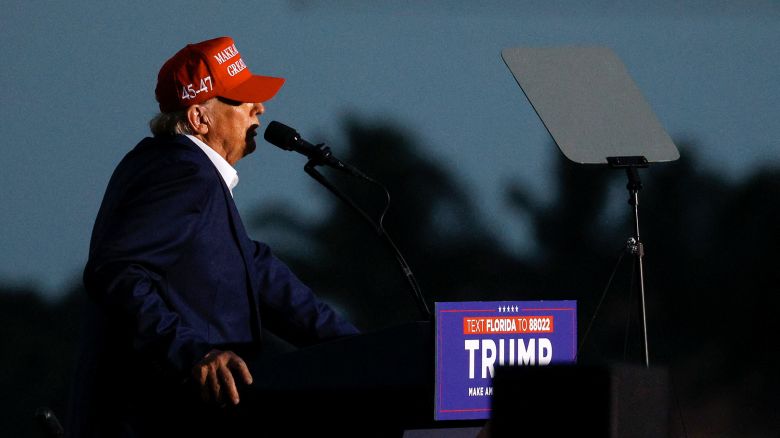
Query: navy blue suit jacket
column 172, row 273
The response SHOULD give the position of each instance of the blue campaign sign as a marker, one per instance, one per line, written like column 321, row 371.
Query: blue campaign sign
column 473, row 338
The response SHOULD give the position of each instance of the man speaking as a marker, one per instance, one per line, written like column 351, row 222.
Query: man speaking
column 172, row 274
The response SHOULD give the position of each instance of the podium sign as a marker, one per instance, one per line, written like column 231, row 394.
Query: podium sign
column 473, row 338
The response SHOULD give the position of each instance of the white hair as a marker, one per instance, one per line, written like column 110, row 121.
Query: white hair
column 171, row 123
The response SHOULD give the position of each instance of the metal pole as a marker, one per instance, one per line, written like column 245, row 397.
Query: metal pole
column 634, row 185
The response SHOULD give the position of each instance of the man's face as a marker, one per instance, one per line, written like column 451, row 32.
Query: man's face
column 233, row 127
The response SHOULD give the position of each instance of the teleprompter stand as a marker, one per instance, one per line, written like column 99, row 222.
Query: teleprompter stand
column 596, row 114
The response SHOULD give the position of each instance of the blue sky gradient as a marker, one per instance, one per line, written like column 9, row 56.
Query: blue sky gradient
column 78, row 90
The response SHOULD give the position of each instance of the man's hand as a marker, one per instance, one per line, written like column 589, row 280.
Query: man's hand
column 214, row 374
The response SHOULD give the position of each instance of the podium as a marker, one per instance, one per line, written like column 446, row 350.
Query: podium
column 607, row 401
column 374, row 384
column 382, row 383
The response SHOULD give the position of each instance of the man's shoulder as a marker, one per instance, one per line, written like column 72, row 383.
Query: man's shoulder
column 159, row 153
column 161, row 159
column 175, row 147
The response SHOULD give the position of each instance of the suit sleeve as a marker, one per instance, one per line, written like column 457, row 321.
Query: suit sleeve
column 146, row 226
column 289, row 308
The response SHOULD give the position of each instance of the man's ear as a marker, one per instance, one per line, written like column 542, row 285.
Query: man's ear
column 198, row 119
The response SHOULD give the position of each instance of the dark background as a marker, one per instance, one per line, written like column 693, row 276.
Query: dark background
column 711, row 274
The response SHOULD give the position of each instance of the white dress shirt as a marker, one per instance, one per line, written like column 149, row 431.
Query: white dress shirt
column 229, row 174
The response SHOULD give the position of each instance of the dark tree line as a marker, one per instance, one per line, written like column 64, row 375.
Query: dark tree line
column 710, row 267
column 711, row 272
column 38, row 342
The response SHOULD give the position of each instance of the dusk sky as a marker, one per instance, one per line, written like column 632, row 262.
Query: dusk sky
column 78, row 84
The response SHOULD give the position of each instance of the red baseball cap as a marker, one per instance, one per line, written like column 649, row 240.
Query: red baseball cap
column 208, row 69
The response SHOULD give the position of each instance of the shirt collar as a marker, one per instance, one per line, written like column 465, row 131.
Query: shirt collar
column 228, row 173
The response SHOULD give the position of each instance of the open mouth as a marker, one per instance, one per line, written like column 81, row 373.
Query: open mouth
column 251, row 133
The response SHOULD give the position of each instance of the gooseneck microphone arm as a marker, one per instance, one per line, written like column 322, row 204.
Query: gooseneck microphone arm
column 286, row 138
column 309, row 168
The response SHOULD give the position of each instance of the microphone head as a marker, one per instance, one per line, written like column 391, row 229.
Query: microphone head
column 281, row 135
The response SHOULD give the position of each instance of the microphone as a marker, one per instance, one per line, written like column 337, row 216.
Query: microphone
column 287, row 138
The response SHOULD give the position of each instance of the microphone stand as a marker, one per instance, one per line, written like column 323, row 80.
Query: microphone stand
column 309, row 168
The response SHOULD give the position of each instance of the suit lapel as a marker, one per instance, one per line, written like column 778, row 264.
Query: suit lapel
column 240, row 238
